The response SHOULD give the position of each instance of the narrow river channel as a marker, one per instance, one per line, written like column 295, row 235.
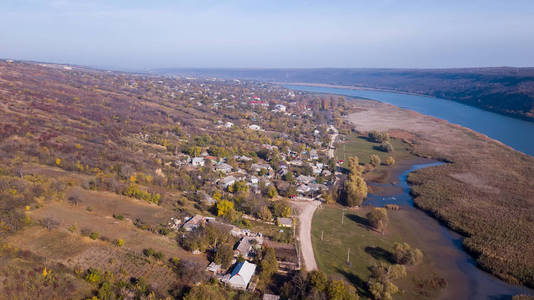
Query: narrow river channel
column 465, row 280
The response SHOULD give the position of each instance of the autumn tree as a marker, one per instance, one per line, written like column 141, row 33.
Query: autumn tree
column 380, row 281
column 378, row 218
column 374, row 160
column 355, row 186
column 378, row 136
column 390, row 161
column 386, row 147
column 265, row 214
column 224, row 207
column 404, row 254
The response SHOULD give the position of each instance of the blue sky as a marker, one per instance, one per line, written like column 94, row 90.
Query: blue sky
column 141, row 34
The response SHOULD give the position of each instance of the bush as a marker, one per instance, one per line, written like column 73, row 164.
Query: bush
column 404, row 254
column 390, row 161
column 118, row 217
column 148, row 252
column 379, row 136
column 119, row 242
column 93, row 235
column 386, row 147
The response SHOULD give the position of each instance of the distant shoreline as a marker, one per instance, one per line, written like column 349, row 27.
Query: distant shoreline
column 351, row 87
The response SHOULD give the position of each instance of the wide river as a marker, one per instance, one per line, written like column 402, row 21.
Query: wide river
column 516, row 133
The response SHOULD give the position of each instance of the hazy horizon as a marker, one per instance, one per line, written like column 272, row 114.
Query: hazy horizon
column 135, row 35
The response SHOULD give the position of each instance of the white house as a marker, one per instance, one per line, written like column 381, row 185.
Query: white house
column 197, row 161
column 223, row 167
column 285, row 222
column 241, row 275
column 229, row 125
column 280, row 107
column 227, row 181
column 303, row 189
column 314, row 155
column 254, row 127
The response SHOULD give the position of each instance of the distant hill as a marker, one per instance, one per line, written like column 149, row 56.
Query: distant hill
column 504, row 90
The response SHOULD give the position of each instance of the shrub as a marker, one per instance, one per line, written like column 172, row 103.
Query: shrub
column 148, row 252
column 404, row 254
column 93, row 235
column 119, row 242
column 118, row 217
column 386, row 147
column 379, row 136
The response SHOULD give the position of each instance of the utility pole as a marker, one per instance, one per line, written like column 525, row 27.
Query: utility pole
column 322, row 232
column 348, row 256
column 342, row 216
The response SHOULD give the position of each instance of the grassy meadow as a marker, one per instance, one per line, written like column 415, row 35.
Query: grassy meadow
column 366, row 248
column 361, row 146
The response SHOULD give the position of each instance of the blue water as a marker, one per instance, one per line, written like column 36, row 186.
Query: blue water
column 516, row 133
column 481, row 285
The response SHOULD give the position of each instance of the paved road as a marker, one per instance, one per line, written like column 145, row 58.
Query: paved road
column 305, row 210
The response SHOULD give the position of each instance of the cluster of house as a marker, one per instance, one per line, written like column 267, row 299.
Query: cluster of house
column 247, row 247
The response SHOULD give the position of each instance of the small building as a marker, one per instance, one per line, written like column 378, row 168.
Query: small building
column 280, row 108
column 241, row 275
column 214, row 268
column 193, row 222
column 248, row 244
column 255, row 127
column 197, row 161
column 303, row 189
column 227, row 181
column 228, row 124
column 313, row 154
column 223, row 167
column 285, row 222
column 303, row 179
column 270, row 297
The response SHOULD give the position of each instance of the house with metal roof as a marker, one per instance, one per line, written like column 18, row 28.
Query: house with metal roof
column 241, row 275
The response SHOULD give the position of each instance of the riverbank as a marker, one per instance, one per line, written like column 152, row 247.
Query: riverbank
column 485, row 193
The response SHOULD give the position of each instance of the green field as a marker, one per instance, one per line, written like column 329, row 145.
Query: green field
column 356, row 145
column 366, row 248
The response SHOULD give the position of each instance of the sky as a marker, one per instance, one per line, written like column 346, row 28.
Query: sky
column 148, row 34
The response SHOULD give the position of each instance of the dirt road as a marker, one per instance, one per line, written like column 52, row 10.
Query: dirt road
column 332, row 141
column 305, row 211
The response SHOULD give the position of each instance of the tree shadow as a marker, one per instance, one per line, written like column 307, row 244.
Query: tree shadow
column 360, row 285
column 380, row 253
column 359, row 220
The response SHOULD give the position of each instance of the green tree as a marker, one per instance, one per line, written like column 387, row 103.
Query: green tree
column 268, row 263
column 224, row 255
column 318, row 279
column 271, row 191
column 289, row 177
